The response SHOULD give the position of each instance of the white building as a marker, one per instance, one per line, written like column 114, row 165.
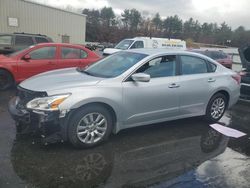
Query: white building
column 28, row 17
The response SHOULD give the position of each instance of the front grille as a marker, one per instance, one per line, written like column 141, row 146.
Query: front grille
column 27, row 95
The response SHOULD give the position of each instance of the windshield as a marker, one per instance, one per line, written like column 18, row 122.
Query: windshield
column 114, row 65
column 124, row 44
column 19, row 52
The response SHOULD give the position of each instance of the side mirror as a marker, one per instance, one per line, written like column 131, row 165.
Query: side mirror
column 141, row 77
column 27, row 57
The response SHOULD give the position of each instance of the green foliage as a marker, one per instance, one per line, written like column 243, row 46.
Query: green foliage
column 107, row 16
column 131, row 19
column 173, row 27
column 104, row 26
column 157, row 22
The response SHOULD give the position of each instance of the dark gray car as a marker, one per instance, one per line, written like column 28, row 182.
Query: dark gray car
column 245, row 73
column 12, row 42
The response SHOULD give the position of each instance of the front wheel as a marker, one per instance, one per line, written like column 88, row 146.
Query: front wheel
column 216, row 107
column 90, row 126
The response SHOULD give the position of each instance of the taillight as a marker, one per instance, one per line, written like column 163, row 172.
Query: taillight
column 237, row 78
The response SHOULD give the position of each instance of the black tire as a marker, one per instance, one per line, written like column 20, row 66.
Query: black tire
column 209, row 117
column 77, row 117
column 6, row 80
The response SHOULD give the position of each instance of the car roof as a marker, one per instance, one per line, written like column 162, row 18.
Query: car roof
column 59, row 44
column 25, row 34
column 149, row 51
column 206, row 50
column 162, row 51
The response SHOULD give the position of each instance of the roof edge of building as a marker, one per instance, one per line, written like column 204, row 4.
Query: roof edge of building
column 47, row 6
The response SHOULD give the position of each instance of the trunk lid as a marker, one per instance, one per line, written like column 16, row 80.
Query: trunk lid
column 244, row 53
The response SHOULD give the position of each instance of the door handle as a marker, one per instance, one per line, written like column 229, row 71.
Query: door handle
column 211, row 80
column 173, row 85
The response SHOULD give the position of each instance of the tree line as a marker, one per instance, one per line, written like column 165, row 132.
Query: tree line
column 104, row 26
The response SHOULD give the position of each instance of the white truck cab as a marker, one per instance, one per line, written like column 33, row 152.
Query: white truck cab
column 146, row 42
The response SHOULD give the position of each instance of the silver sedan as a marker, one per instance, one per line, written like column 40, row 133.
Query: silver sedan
column 127, row 89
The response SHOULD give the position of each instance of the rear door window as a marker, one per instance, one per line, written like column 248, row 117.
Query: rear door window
column 5, row 39
column 70, row 53
column 193, row 65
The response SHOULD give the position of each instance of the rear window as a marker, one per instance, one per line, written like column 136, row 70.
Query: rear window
column 216, row 55
column 5, row 39
column 41, row 40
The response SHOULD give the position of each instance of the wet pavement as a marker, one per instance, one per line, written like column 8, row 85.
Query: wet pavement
column 183, row 153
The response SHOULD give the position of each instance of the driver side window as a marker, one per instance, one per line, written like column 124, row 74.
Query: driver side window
column 160, row 67
column 43, row 53
column 138, row 44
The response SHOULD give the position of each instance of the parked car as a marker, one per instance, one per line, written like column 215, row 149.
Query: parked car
column 10, row 43
column 146, row 42
column 127, row 89
column 33, row 60
column 218, row 56
column 245, row 73
column 105, row 45
column 91, row 47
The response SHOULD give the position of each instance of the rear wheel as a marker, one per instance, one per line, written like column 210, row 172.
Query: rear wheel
column 216, row 107
column 90, row 126
column 6, row 80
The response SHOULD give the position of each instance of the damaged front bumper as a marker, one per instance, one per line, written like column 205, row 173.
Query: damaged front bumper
column 48, row 124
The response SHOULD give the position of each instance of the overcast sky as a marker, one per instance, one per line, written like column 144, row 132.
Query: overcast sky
column 233, row 12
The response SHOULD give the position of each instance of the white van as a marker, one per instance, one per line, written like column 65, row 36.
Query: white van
column 146, row 42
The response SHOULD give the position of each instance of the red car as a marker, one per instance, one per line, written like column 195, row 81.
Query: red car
column 218, row 56
column 21, row 65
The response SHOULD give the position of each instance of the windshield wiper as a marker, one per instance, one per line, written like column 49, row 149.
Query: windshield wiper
column 84, row 71
column 92, row 74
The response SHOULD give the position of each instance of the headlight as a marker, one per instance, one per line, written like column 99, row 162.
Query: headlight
column 50, row 103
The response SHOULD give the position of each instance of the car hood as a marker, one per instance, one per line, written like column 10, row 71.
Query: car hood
column 59, row 79
column 244, row 53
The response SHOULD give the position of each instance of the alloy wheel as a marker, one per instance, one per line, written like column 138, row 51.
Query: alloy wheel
column 217, row 108
column 91, row 128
